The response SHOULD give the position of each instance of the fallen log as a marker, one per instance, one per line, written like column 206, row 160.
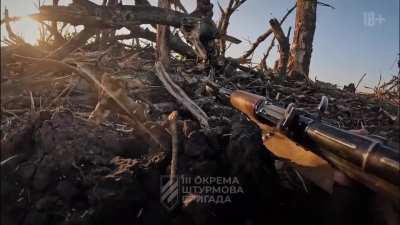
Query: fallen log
column 107, row 17
column 83, row 12
column 176, row 44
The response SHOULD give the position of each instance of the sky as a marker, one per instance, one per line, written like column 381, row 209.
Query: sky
column 357, row 37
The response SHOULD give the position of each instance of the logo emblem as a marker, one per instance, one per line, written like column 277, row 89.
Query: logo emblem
column 169, row 190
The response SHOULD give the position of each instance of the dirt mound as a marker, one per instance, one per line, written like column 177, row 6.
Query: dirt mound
column 65, row 175
column 74, row 172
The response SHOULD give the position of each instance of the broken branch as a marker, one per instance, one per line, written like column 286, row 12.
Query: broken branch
column 284, row 46
column 180, row 95
column 265, row 35
column 174, row 134
column 224, row 21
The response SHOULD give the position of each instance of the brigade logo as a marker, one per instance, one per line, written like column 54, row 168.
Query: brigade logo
column 169, row 190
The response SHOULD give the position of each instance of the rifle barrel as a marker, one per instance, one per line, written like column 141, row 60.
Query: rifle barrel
column 370, row 155
column 366, row 159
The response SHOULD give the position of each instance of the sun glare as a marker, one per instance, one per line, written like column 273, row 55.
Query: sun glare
column 26, row 28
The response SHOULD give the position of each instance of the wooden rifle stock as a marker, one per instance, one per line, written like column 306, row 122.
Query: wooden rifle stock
column 245, row 102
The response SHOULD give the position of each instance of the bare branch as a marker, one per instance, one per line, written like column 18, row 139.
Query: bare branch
column 174, row 133
column 361, row 79
column 284, row 46
column 265, row 35
column 224, row 21
column 176, row 44
column 263, row 63
column 180, row 95
column 178, row 5
column 325, row 4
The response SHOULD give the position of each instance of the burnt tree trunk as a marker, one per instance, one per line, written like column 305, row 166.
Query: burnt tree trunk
column 58, row 39
column 163, row 33
column 300, row 54
column 284, row 47
column 204, row 9
column 107, row 34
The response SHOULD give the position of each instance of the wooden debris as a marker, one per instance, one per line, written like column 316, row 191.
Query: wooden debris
column 72, row 44
column 174, row 134
column 265, row 35
column 180, row 95
column 223, row 23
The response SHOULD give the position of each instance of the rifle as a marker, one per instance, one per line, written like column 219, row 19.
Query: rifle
column 366, row 159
